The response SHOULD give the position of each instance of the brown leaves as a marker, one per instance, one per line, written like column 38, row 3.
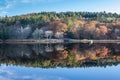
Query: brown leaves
column 57, row 26
column 91, row 24
column 101, row 30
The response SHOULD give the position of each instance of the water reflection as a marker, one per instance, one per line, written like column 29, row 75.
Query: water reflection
column 60, row 55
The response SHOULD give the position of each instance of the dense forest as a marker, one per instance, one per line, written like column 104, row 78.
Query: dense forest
column 75, row 25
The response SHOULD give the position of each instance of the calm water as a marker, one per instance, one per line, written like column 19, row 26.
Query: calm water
column 60, row 62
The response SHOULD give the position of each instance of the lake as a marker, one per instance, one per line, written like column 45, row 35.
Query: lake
column 59, row 61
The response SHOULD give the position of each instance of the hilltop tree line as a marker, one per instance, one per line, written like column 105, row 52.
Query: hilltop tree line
column 76, row 25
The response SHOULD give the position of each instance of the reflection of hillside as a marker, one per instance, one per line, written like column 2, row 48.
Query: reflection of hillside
column 15, row 51
column 91, row 53
column 60, row 55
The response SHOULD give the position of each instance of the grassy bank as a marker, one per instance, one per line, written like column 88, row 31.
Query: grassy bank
column 32, row 41
column 94, row 41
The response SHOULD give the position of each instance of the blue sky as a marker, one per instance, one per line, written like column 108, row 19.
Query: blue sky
column 11, row 72
column 18, row 7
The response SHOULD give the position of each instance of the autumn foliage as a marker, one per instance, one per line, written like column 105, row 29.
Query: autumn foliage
column 84, row 26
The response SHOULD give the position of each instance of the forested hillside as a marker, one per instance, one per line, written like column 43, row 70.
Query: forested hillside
column 75, row 25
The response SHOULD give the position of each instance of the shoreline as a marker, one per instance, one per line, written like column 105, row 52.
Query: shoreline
column 45, row 41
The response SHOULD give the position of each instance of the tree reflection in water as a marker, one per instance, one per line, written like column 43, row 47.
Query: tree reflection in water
column 60, row 55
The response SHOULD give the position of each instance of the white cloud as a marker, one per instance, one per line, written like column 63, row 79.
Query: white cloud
column 4, row 78
column 9, row 3
column 37, row 77
column 3, row 69
column 6, row 73
column 35, row 1
column 3, row 13
column 6, row 5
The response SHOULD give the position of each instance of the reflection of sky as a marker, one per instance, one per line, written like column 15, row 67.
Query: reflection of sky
column 29, row 73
